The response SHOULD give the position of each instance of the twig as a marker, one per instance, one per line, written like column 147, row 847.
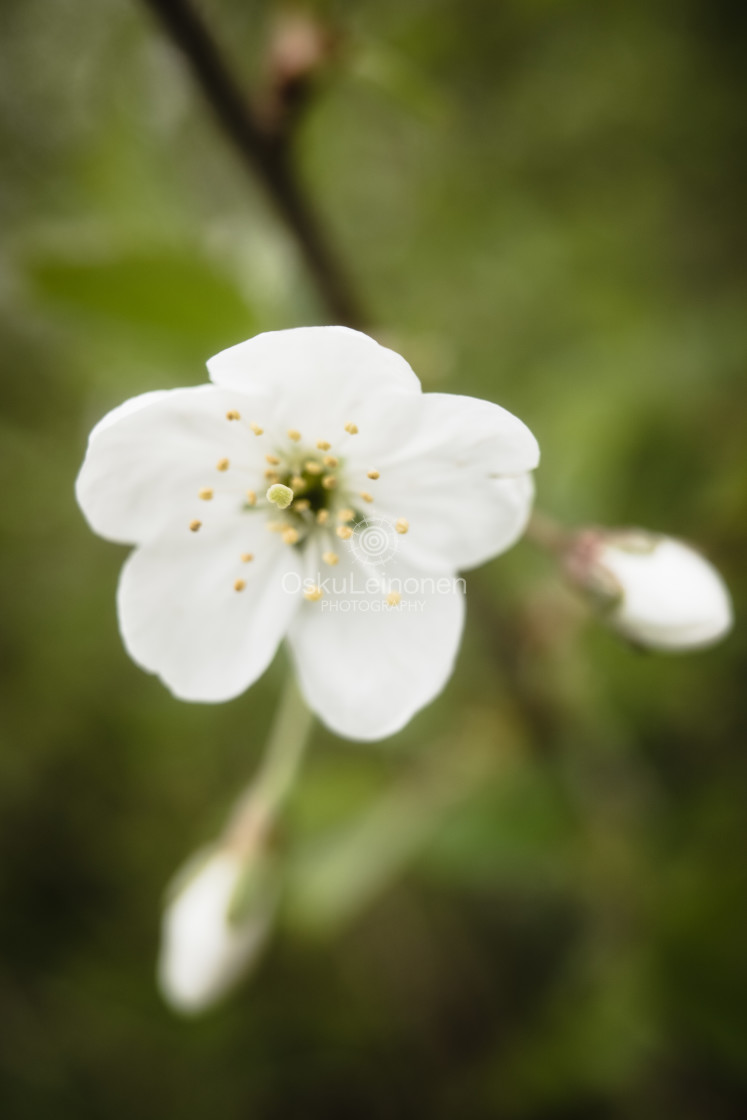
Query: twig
column 264, row 152
column 548, row 534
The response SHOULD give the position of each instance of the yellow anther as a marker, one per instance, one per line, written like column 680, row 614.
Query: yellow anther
column 271, row 475
column 331, row 461
column 313, row 594
column 313, row 467
column 251, row 497
column 222, row 465
column 298, row 484
column 394, row 599
column 247, row 557
column 322, row 517
column 239, row 585
column 256, row 429
column 294, row 435
column 272, row 460
column 330, row 558
column 232, row 414
column 301, row 505
column 205, row 493
column 401, row 525
column 373, row 474
column 323, row 445
column 290, row 536
column 352, row 428
column 329, row 481
column 345, row 515
column 280, row 496
column 277, row 526
column 195, row 525
column 344, row 532
column 366, row 496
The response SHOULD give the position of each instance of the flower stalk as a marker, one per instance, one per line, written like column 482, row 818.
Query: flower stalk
column 257, row 808
column 548, row 533
column 222, row 903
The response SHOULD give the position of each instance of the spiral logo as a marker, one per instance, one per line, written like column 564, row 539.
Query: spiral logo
column 374, row 541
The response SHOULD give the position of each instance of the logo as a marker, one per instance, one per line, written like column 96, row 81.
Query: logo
column 374, row 541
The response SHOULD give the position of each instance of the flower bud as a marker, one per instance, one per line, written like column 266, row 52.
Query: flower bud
column 655, row 590
column 216, row 921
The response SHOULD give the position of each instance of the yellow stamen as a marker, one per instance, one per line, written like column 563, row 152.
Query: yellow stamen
column 301, row 505
column 331, row 461
column 329, row 482
column 256, row 429
column 272, row 460
column 232, row 414
column 373, row 474
column 294, row 435
column 330, row 558
column 313, row 467
column 195, row 525
column 251, row 497
column 344, row 532
column 205, row 493
column 271, row 475
column 277, row 526
column 322, row 517
column 352, row 428
column 239, row 585
column 313, row 594
column 298, row 484
column 345, row 515
column 323, row 445
column 290, row 536
column 402, row 525
column 393, row 599
column 366, row 496
column 222, row 465
column 247, row 557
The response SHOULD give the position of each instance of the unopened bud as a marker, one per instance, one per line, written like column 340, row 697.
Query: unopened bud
column 216, row 922
column 655, row 590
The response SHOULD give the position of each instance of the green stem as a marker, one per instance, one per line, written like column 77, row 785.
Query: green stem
column 257, row 808
column 548, row 534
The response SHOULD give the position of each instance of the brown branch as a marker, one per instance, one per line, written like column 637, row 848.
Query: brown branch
column 266, row 153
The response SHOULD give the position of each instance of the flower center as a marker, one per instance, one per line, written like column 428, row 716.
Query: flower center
column 302, row 491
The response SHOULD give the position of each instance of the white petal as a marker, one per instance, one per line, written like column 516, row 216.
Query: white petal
column 366, row 667
column 465, row 434
column 455, row 469
column 181, row 617
column 448, row 531
column 318, row 376
column 147, row 460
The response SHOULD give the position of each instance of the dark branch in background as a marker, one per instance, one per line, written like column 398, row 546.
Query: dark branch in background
column 263, row 141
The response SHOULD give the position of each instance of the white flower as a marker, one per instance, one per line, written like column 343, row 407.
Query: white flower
column 211, row 934
column 221, row 574
column 661, row 592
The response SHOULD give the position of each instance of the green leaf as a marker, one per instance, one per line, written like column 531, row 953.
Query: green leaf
column 177, row 296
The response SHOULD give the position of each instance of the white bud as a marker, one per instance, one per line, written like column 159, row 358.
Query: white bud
column 214, row 926
column 656, row 591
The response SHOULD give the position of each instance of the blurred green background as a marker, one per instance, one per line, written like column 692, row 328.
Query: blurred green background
column 531, row 903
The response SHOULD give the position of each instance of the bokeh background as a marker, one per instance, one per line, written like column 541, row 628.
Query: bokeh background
column 532, row 903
